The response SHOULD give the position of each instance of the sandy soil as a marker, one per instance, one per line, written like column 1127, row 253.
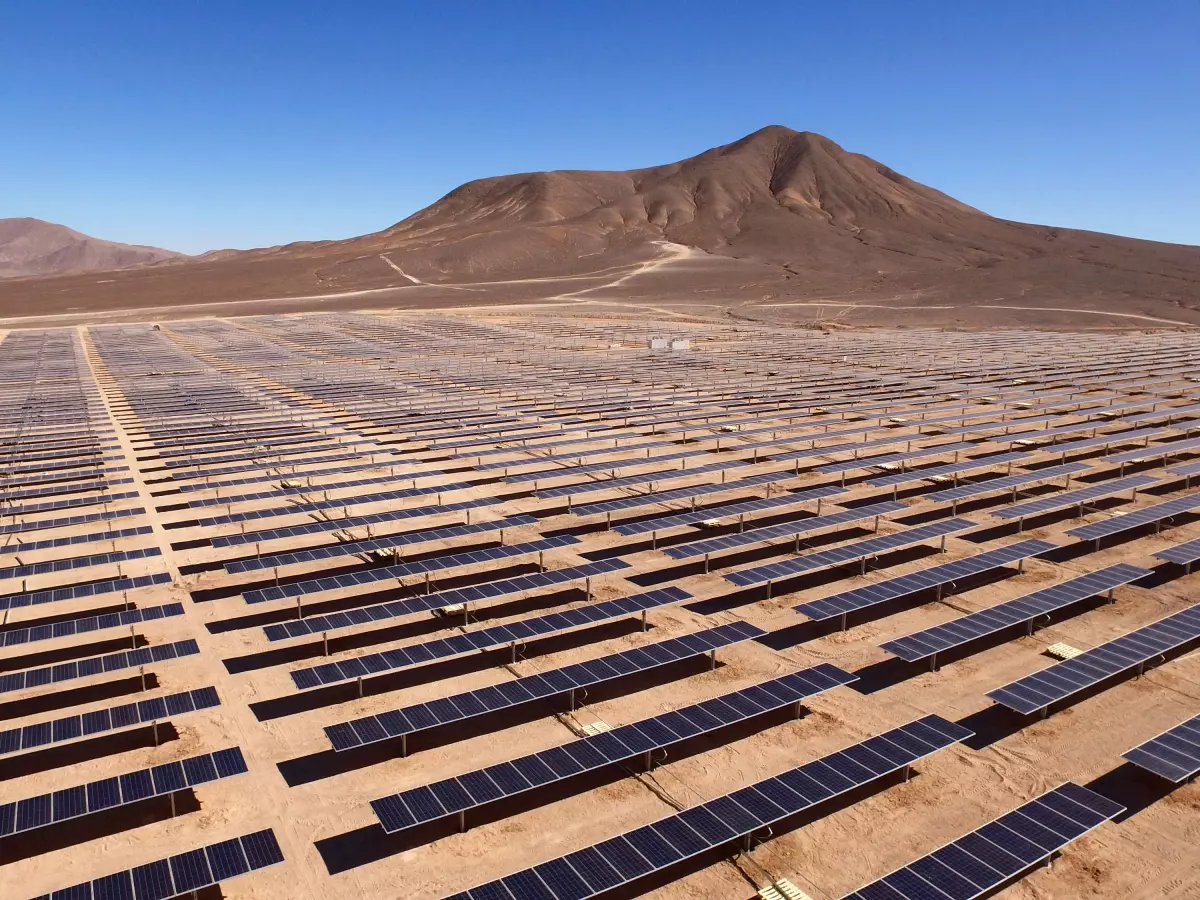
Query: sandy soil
column 553, row 363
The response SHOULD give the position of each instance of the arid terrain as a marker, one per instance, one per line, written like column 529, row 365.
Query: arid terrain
column 32, row 247
column 425, row 458
column 780, row 226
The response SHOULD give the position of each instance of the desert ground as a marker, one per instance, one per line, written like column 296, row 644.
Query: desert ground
column 260, row 453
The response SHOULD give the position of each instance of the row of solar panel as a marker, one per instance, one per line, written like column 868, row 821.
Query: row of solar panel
column 626, row 481
column 332, row 486
column 1174, row 754
column 1037, row 691
column 349, row 548
column 95, row 665
column 900, row 586
column 69, row 504
column 783, row 530
column 127, row 715
column 87, row 518
column 443, row 648
column 552, row 683
column 319, row 505
column 1080, row 497
column 1136, row 518
column 93, row 537
column 277, row 476
column 732, row 509
column 76, row 591
column 851, row 552
column 70, row 627
column 651, row 848
column 457, row 597
column 686, row 493
column 988, row 857
column 119, row 790
column 54, row 490
column 923, row 644
column 78, row 562
column 459, row 794
column 185, row 873
column 389, row 573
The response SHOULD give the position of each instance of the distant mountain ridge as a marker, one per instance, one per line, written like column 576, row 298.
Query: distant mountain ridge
column 777, row 223
column 33, row 247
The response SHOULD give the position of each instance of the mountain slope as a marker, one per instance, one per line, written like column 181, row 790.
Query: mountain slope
column 33, row 247
column 777, row 219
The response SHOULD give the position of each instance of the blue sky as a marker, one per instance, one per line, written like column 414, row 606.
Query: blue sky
column 196, row 125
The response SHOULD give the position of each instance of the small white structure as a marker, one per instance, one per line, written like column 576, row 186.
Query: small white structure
column 658, row 343
column 681, row 344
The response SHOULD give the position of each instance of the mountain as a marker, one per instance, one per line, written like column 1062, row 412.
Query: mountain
column 34, row 247
column 780, row 224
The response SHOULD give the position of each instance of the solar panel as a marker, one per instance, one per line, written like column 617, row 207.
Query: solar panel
column 552, row 683
column 991, row 856
column 304, row 490
column 937, row 576
column 1157, row 513
column 95, row 665
column 77, row 562
column 928, row 643
column 85, row 725
column 390, row 573
column 655, row 497
column 349, row 548
column 94, row 537
column 344, row 503
column 75, row 591
column 612, row 465
column 732, row 509
column 52, row 490
column 1074, row 498
column 182, row 874
column 866, row 462
column 87, row 624
column 1174, row 754
column 1133, row 650
column 651, row 848
column 69, row 504
column 966, row 465
column 783, row 530
column 1155, row 451
column 119, row 790
column 451, row 796
column 460, row 596
column 664, row 475
column 852, row 552
column 1021, row 479
column 22, row 527
column 499, row 635
column 1181, row 554
column 358, row 521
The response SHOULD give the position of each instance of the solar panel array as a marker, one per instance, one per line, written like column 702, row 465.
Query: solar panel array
column 183, row 873
column 390, row 573
column 87, row 624
column 1131, row 651
column 460, row 707
column 1157, row 513
column 990, row 856
column 443, row 648
column 1074, row 498
column 77, row 591
column 783, row 530
column 901, row 586
column 119, row 790
column 388, row 542
column 100, row 721
column 923, row 644
column 851, row 552
column 441, row 599
column 95, row 665
column 1174, row 754
column 638, row 853
column 449, row 796
column 732, row 509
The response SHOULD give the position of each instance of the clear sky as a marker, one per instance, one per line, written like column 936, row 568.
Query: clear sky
column 196, row 125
